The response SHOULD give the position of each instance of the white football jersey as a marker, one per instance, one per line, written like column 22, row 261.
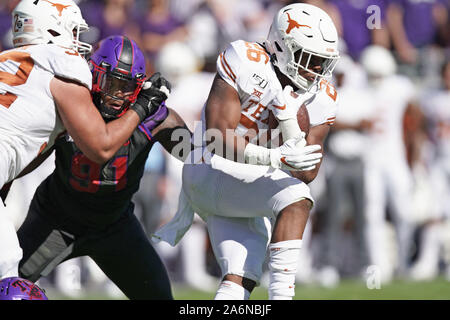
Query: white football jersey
column 246, row 67
column 388, row 101
column 218, row 186
column 28, row 115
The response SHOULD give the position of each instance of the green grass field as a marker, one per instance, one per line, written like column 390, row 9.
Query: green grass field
column 438, row 289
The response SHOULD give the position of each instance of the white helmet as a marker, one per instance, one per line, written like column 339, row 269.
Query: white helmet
column 176, row 59
column 49, row 21
column 378, row 61
column 299, row 33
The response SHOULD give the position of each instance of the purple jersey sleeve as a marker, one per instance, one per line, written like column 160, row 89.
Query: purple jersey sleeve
column 154, row 120
column 354, row 17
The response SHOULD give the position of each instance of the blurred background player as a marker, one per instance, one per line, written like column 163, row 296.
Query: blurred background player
column 345, row 194
column 356, row 31
column 93, row 213
column 159, row 27
column 238, row 199
column 434, row 158
column 415, row 28
column 388, row 177
column 108, row 18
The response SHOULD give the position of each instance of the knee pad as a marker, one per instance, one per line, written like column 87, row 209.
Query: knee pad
column 239, row 245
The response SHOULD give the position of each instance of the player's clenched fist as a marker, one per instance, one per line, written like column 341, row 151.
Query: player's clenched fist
column 154, row 92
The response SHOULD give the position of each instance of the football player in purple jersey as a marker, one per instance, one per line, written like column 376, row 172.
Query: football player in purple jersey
column 84, row 208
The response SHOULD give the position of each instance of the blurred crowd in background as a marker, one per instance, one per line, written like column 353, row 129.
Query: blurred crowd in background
column 383, row 192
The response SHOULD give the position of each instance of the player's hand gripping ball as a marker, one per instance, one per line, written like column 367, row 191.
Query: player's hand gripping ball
column 302, row 118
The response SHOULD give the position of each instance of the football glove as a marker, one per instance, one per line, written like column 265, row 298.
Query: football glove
column 154, row 92
column 287, row 113
column 293, row 155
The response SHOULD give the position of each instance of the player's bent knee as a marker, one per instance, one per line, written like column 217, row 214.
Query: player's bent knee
column 299, row 209
column 302, row 205
column 10, row 264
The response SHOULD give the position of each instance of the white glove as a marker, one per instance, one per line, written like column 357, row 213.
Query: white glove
column 285, row 106
column 292, row 155
column 295, row 157
column 287, row 117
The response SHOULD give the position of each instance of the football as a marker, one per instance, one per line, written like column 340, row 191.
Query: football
column 302, row 118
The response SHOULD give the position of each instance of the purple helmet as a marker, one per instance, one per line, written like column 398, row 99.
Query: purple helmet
column 118, row 72
column 15, row 288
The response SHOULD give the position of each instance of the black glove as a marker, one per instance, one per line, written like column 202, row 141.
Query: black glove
column 154, row 92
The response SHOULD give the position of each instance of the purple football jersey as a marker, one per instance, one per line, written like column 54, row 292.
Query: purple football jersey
column 418, row 20
column 354, row 18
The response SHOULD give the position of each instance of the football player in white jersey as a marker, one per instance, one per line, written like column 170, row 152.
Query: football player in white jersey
column 387, row 175
column 435, row 236
column 240, row 192
column 45, row 88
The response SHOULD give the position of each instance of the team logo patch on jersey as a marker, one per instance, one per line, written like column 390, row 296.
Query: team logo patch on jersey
column 257, row 93
column 260, row 81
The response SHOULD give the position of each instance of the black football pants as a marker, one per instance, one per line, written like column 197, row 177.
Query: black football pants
column 122, row 250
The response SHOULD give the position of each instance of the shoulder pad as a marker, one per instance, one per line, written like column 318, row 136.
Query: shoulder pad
column 241, row 60
column 323, row 107
column 62, row 62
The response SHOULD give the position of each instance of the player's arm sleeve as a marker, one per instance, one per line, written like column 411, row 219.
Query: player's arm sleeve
column 323, row 112
column 228, row 64
column 64, row 63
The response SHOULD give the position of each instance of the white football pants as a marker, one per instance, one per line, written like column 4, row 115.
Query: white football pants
column 239, row 202
column 388, row 184
column 10, row 251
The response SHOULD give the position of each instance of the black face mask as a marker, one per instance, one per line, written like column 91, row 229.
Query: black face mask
column 116, row 92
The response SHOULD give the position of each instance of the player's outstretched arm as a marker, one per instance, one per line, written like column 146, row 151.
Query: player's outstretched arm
column 171, row 133
column 98, row 140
